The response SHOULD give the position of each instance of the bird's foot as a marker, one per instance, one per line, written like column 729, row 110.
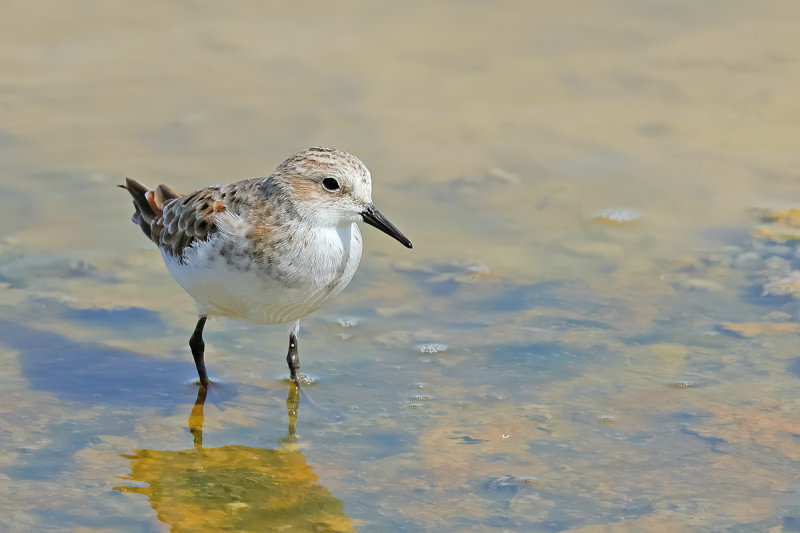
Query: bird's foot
column 301, row 380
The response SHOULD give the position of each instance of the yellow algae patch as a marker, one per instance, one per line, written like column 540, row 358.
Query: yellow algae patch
column 785, row 216
column 784, row 225
column 754, row 329
column 776, row 233
column 235, row 488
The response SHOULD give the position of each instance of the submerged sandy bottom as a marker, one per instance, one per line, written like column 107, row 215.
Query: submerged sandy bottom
column 596, row 330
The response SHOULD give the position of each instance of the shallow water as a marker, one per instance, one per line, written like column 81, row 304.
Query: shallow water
column 596, row 330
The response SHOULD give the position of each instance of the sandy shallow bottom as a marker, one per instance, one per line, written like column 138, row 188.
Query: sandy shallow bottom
column 596, row 330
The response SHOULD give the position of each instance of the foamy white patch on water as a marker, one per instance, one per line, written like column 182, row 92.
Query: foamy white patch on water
column 619, row 215
column 348, row 321
column 432, row 348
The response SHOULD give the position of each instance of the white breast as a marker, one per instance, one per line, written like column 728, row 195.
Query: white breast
column 296, row 283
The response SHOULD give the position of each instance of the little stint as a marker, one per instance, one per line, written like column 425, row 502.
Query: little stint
column 265, row 250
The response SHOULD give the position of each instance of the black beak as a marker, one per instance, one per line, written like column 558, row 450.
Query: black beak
column 373, row 217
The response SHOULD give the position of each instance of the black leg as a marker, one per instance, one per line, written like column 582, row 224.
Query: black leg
column 293, row 359
column 198, row 348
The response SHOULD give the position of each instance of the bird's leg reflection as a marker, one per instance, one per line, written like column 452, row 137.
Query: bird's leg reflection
column 235, row 487
column 196, row 417
column 292, row 403
column 195, row 422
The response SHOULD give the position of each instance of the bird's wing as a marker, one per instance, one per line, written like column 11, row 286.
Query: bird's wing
column 187, row 219
column 175, row 221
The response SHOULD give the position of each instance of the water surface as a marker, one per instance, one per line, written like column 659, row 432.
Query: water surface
column 596, row 330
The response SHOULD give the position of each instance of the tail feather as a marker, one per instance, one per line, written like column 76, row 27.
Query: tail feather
column 149, row 205
column 163, row 194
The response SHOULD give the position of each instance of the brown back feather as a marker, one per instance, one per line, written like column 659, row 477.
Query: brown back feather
column 186, row 219
column 174, row 221
column 171, row 220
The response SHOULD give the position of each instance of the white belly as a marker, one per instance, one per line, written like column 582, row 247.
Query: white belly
column 241, row 289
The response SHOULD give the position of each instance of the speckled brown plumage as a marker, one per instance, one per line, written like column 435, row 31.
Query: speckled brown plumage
column 174, row 221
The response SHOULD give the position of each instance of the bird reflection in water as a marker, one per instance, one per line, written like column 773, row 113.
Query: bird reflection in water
column 236, row 488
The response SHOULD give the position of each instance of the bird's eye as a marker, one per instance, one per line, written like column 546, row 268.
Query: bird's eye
column 330, row 184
